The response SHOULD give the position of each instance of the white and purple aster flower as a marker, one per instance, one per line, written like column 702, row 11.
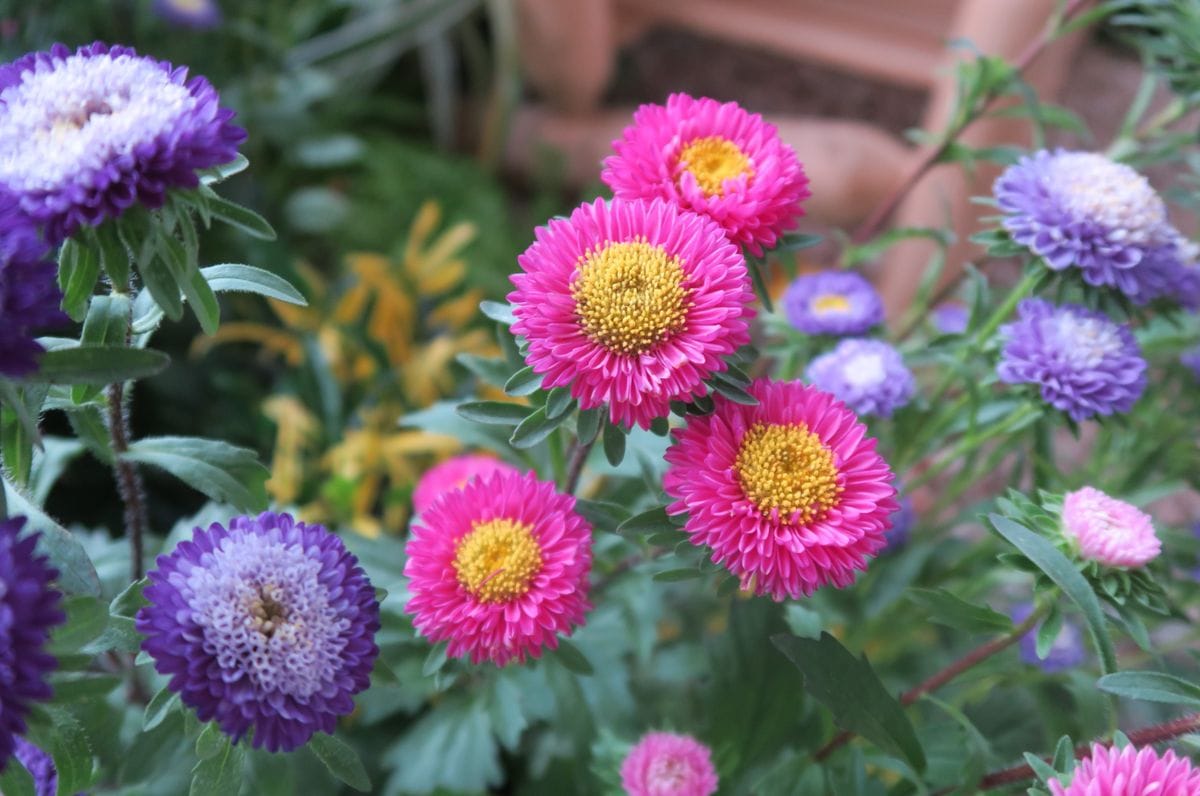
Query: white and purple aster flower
column 267, row 626
column 833, row 302
column 1084, row 363
column 29, row 294
column 85, row 135
column 869, row 376
column 29, row 609
column 1068, row 650
column 196, row 14
column 1082, row 210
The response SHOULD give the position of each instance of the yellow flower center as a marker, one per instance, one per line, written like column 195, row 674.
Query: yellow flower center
column 496, row 561
column 830, row 302
column 630, row 296
column 712, row 161
column 786, row 467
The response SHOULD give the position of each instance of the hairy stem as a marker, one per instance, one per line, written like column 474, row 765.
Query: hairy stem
column 971, row 659
column 129, row 481
column 579, row 454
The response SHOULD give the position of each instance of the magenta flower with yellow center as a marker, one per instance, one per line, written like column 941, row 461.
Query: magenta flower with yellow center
column 1130, row 772
column 499, row 568
column 789, row 494
column 455, row 473
column 632, row 304
column 668, row 764
column 1109, row 531
column 712, row 158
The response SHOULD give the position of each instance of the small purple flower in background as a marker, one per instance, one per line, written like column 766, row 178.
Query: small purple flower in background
column 1082, row 210
column 903, row 520
column 1084, row 363
column 198, row 14
column 950, row 318
column 1190, row 359
column 86, row 135
column 29, row 294
column 833, row 302
column 29, row 609
column 1068, row 650
column 869, row 376
column 40, row 766
column 269, row 625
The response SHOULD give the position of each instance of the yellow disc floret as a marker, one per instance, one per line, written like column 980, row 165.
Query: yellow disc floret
column 497, row 560
column 786, row 468
column 712, row 161
column 830, row 302
column 630, row 296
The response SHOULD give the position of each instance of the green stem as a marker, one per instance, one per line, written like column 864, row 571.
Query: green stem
column 967, row 444
column 558, row 464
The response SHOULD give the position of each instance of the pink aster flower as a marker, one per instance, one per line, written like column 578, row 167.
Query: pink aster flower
column 712, row 158
column 1130, row 772
column 499, row 568
column 665, row 764
column 454, row 473
column 633, row 304
column 1107, row 530
column 789, row 494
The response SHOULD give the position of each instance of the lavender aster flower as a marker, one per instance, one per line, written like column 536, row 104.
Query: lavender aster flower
column 1190, row 359
column 1085, row 364
column 197, row 14
column 1067, row 651
column 40, row 766
column 832, row 302
column 28, row 610
column 869, row 376
column 1080, row 209
column 29, row 295
column 950, row 318
column 85, row 135
column 268, row 625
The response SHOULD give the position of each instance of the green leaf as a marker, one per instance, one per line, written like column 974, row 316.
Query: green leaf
column 121, row 635
column 498, row 311
column 614, row 444
column 495, row 413
column 435, row 660
column 341, row 760
column 494, row 371
column 676, row 575
column 87, row 618
column 130, row 600
column 71, row 751
column 78, row 270
column 949, row 609
column 601, row 514
column 18, row 430
column 220, row 774
column 849, row 687
column 159, row 707
column 107, row 324
column 647, row 522
column 755, row 267
column 728, row 387
column 89, row 426
column 224, row 472
column 75, row 687
column 1151, row 687
column 98, row 364
column 572, row 659
column 1041, row 769
column 1064, row 755
column 534, row 429
column 15, row 780
column 558, row 401
column 238, row 278
column 243, row 218
column 163, row 287
column 1060, row 570
column 76, row 575
column 211, row 741
column 523, row 382
column 224, row 171
column 587, row 424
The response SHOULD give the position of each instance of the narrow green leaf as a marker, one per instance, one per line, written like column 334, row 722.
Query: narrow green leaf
column 224, row 472
column 78, row 270
column 523, row 382
column 220, row 774
column 114, row 255
column 238, row 278
column 498, row 311
column 76, row 575
column 130, row 600
column 1064, row 754
column 647, row 522
column 341, row 760
column 243, row 218
column 75, row 687
column 435, row 660
column 587, row 424
column 493, row 371
column 88, row 425
column 675, row 575
column 1151, row 687
column 614, row 444
column 602, row 515
column 159, row 707
column 851, row 690
column 755, row 267
column 1060, row 570
column 534, row 429
column 225, row 171
column 164, row 289
column 734, row 392
column 1041, row 769
column 949, row 609
column 107, row 324
column 101, row 364
column 558, row 401
column 572, row 658
column 496, row 413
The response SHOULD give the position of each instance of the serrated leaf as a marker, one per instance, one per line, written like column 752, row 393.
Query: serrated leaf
column 239, row 278
column 850, row 689
column 1151, row 687
column 341, row 761
column 99, row 364
column 1060, row 570
column 647, row 522
column 71, row 751
column 572, row 658
column 243, row 218
column 224, row 472
column 614, row 444
column 496, row 413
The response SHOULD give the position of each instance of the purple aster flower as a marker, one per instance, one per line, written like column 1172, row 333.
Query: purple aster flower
column 1085, row 364
column 832, row 302
column 29, row 294
column 40, row 766
column 1067, row 651
column 869, row 376
column 903, row 520
column 950, row 318
column 1190, row 359
column 29, row 608
column 1082, row 210
column 197, row 14
column 85, row 135
column 267, row 626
